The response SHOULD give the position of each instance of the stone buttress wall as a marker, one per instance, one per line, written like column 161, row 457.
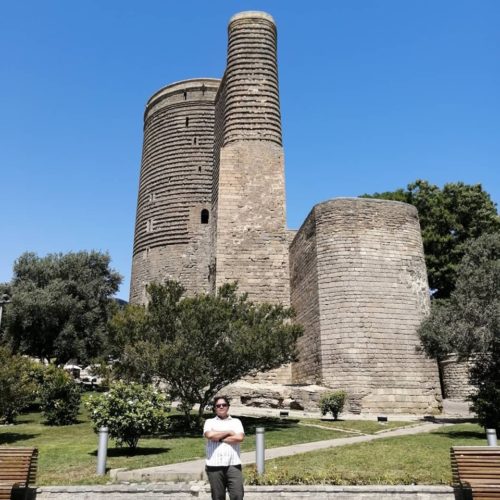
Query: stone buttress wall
column 171, row 237
column 249, row 236
column 373, row 293
column 304, row 297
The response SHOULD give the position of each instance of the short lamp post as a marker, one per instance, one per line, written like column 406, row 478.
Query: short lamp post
column 4, row 299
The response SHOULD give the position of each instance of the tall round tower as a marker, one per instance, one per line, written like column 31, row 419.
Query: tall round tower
column 252, row 108
column 173, row 208
column 249, row 239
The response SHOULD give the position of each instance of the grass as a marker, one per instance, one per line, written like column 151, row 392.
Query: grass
column 414, row 459
column 68, row 453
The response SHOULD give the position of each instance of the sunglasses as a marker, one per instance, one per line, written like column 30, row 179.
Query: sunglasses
column 223, row 405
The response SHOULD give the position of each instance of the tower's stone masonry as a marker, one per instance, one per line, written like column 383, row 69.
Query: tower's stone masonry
column 211, row 210
column 359, row 286
column 172, row 234
column 249, row 240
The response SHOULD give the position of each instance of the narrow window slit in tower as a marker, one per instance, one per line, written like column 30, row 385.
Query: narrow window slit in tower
column 199, row 169
column 185, row 95
column 187, row 121
column 204, row 216
column 195, row 141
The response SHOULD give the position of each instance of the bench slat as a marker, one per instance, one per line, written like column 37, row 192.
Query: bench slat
column 18, row 467
column 477, row 469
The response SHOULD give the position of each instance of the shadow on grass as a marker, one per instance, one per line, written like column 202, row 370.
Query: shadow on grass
column 461, row 434
column 269, row 423
column 76, row 422
column 132, row 452
column 13, row 437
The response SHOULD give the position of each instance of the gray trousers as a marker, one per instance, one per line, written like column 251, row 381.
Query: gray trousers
column 229, row 477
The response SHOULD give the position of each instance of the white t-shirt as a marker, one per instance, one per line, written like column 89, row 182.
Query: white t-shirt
column 223, row 454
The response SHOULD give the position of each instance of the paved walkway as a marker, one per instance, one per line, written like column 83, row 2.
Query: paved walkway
column 194, row 469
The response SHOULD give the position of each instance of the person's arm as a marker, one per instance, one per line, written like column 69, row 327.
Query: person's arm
column 234, row 438
column 217, row 435
column 237, row 435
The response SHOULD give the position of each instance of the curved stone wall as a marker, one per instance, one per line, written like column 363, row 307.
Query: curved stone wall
column 252, row 108
column 359, row 286
column 175, row 187
column 455, row 376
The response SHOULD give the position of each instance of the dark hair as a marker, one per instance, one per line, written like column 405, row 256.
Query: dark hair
column 225, row 398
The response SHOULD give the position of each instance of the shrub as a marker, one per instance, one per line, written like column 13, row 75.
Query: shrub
column 332, row 402
column 60, row 397
column 129, row 411
column 17, row 389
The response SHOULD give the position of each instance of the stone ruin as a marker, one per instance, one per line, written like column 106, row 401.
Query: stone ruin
column 211, row 209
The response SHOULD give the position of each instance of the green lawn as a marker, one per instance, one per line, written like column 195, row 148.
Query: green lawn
column 68, row 453
column 417, row 459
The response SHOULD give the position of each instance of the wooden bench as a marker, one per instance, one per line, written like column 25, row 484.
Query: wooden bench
column 17, row 470
column 476, row 471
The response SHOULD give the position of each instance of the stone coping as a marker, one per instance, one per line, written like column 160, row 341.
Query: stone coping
column 201, row 490
column 252, row 14
column 187, row 84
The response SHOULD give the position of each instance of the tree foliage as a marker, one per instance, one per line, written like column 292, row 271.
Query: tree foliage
column 449, row 217
column 468, row 323
column 17, row 387
column 200, row 344
column 60, row 305
column 129, row 411
column 60, row 397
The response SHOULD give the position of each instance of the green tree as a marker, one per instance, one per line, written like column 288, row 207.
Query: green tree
column 449, row 217
column 200, row 344
column 61, row 305
column 468, row 323
column 17, row 388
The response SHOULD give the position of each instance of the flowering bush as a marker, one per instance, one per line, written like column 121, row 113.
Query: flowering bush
column 59, row 396
column 17, row 388
column 129, row 411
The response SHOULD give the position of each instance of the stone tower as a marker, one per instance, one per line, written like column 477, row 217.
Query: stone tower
column 211, row 210
column 359, row 286
column 249, row 240
column 173, row 208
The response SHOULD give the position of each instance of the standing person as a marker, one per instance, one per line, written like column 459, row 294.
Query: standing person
column 223, row 465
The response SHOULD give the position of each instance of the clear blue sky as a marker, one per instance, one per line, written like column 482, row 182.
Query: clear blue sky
column 374, row 94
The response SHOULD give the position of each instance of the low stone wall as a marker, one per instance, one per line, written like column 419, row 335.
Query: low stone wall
column 201, row 491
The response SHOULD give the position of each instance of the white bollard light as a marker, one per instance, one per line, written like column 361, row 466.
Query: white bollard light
column 260, row 450
column 102, row 451
column 491, row 436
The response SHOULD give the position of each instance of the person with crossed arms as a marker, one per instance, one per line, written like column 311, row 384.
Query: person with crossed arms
column 223, row 464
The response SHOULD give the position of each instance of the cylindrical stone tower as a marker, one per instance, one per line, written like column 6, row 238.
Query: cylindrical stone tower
column 249, row 240
column 252, row 108
column 173, row 208
column 359, row 286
